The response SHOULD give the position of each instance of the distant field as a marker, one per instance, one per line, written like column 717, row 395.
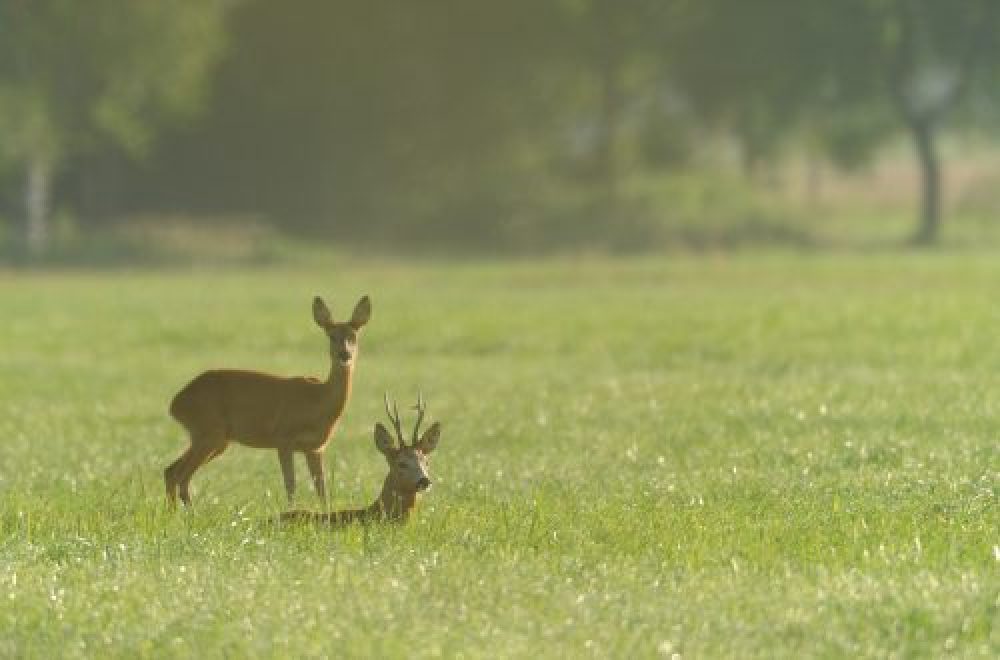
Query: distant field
column 760, row 456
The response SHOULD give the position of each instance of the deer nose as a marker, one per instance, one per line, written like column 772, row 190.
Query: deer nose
column 423, row 483
column 344, row 356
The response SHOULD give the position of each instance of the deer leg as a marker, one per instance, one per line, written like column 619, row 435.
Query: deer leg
column 314, row 459
column 171, row 476
column 198, row 455
column 287, row 459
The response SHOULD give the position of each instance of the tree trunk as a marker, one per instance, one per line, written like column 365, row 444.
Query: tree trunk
column 609, row 70
column 749, row 160
column 813, row 178
column 930, row 182
column 611, row 104
column 37, row 190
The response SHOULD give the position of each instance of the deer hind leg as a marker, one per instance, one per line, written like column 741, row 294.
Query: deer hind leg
column 199, row 454
column 171, row 476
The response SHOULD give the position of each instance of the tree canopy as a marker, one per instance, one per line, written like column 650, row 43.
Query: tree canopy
column 394, row 119
column 74, row 78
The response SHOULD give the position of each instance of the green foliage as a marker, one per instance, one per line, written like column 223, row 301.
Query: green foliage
column 350, row 114
column 26, row 126
column 850, row 138
column 464, row 122
column 769, row 456
column 70, row 77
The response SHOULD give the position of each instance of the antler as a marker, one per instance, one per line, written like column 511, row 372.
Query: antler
column 393, row 414
column 392, row 411
column 421, row 408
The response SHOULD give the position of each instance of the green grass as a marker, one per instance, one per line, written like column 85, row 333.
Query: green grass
column 759, row 456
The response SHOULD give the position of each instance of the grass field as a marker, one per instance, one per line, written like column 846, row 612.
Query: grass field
column 752, row 456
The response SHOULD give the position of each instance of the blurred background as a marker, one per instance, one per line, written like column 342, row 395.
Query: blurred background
column 135, row 132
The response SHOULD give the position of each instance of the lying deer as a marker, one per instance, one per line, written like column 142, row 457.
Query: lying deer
column 407, row 475
column 268, row 412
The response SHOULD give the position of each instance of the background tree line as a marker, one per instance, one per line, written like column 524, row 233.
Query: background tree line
column 513, row 123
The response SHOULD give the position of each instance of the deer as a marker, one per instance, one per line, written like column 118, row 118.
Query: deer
column 265, row 411
column 408, row 475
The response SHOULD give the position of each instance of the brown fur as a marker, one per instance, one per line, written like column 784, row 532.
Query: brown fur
column 267, row 412
column 407, row 469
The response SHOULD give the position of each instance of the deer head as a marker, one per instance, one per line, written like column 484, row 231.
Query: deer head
column 343, row 336
column 408, row 464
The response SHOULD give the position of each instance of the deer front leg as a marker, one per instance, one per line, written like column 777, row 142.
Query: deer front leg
column 287, row 459
column 314, row 459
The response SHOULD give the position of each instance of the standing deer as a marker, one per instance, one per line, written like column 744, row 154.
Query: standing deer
column 268, row 412
column 407, row 475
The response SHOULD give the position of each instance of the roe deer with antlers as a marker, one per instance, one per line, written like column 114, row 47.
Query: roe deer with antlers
column 268, row 412
column 407, row 476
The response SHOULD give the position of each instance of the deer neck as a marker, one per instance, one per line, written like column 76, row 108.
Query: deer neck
column 393, row 503
column 338, row 386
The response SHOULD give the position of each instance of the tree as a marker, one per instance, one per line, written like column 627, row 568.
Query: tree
column 605, row 42
column 73, row 76
column 935, row 49
column 772, row 68
column 752, row 68
column 372, row 119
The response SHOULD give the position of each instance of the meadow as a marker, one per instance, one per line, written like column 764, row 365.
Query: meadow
column 762, row 455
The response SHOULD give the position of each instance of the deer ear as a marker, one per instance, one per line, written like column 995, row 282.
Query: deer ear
column 429, row 440
column 383, row 441
column 321, row 313
column 362, row 312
